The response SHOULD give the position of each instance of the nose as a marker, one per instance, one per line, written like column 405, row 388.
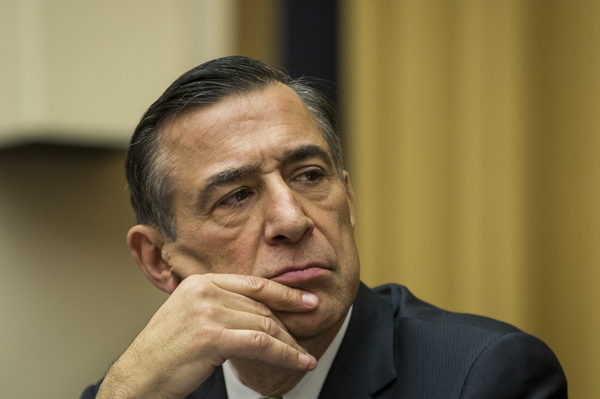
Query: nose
column 285, row 220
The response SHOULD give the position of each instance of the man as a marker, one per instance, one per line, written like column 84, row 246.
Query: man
column 246, row 218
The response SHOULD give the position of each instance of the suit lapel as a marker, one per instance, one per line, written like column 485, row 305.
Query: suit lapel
column 364, row 363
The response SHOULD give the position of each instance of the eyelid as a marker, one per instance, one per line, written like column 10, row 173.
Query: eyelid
column 309, row 169
column 221, row 202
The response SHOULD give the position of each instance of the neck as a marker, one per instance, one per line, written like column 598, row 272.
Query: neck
column 270, row 380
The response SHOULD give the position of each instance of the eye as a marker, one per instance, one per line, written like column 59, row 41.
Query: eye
column 237, row 198
column 311, row 175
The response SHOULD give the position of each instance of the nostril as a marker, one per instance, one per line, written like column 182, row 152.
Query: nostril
column 279, row 237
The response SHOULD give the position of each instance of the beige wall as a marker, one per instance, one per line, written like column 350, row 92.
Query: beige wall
column 71, row 298
column 82, row 72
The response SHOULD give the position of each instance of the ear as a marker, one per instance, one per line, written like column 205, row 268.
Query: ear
column 146, row 244
column 349, row 195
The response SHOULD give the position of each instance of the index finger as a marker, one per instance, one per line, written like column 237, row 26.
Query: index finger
column 274, row 295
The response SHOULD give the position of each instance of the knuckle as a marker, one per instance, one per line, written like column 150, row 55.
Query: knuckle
column 261, row 340
column 263, row 310
column 268, row 325
column 289, row 295
column 255, row 284
column 193, row 280
column 201, row 289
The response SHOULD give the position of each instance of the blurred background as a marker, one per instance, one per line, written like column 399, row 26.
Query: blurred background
column 472, row 135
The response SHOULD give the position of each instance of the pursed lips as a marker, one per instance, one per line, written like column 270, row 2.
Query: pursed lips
column 296, row 274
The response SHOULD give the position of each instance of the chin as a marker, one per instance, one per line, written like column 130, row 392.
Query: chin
column 311, row 325
column 328, row 316
column 305, row 326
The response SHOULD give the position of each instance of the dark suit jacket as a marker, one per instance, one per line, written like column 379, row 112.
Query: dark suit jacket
column 398, row 346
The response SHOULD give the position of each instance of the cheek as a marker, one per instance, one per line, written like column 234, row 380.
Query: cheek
column 335, row 225
column 220, row 249
column 344, row 236
column 339, row 216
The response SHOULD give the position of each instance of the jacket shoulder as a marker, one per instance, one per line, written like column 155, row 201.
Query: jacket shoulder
column 408, row 308
column 465, row 355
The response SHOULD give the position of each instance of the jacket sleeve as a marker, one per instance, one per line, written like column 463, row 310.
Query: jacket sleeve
column 515, row 365
column 90, row 392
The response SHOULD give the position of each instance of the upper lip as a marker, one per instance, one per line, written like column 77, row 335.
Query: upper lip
column 296, row 268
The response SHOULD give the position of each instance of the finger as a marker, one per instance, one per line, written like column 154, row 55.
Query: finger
column 246, row 344
column 238, row 302
column 236, row 320
column 276, row 296
column 235, row 311
column 259, row 311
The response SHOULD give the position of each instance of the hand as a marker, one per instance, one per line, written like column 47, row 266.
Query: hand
column 208, row 319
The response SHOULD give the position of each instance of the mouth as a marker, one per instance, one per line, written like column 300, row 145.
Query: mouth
column 291, row 275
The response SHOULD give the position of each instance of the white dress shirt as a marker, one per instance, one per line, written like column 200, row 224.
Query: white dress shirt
column 309, row 386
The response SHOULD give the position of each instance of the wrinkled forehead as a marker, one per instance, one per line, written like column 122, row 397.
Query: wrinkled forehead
column 213, row 128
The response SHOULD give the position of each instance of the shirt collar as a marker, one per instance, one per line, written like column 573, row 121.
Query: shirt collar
column 309, row 386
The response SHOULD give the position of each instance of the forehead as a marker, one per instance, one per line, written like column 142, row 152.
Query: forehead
column 239, row 127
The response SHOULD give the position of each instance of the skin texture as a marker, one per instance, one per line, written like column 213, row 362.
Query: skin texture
column 264, row 267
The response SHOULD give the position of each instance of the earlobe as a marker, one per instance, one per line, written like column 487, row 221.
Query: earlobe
column 146, row 243
column 349, row 195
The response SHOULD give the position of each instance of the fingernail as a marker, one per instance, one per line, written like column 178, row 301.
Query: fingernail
column 310, row 299
column 304, row 360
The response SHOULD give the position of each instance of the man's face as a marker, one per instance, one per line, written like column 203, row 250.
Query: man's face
column 256, row 193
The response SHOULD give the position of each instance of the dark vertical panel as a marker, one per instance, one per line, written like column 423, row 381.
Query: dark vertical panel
column 311, row 39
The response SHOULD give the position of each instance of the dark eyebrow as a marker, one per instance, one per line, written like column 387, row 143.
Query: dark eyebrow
column 304, row 152
column 233, row 175
column 224, row 178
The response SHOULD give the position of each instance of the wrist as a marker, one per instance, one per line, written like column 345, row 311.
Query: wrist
column 122, row 382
